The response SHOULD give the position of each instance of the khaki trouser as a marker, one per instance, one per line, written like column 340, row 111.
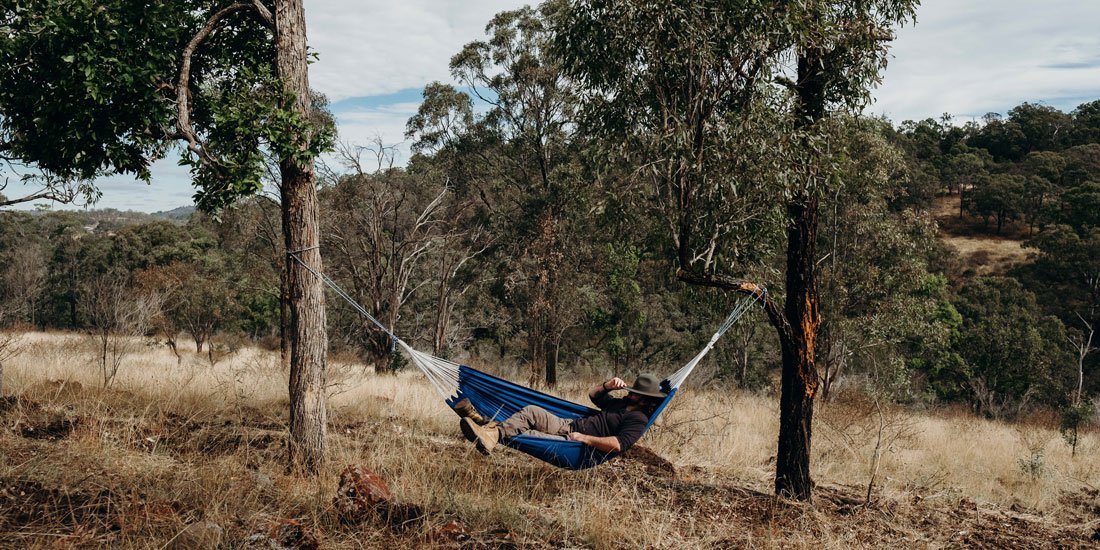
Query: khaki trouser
column 536, row 421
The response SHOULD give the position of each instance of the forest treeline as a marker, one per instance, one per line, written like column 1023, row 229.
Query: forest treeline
column 463, row 255
column 511, row 238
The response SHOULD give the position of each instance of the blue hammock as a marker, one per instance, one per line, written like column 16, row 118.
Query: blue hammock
column 499, row 398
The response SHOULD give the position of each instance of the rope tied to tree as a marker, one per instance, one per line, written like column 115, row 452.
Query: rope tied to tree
column 344, row 295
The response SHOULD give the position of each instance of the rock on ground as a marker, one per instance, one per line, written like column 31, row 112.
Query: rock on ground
column 360, row 493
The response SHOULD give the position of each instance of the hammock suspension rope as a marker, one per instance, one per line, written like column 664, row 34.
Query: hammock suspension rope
column 499, row 398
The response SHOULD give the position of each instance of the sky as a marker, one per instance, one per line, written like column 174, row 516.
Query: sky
column 963, row 57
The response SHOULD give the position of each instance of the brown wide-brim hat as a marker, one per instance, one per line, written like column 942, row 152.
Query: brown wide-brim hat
column 647, row 385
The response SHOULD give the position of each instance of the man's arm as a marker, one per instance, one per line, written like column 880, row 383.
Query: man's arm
column 609, row 444
column 598, row 393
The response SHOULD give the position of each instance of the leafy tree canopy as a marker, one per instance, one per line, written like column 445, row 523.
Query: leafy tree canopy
column 94, row 88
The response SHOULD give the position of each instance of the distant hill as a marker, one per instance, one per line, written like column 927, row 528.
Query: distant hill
column 182, row 213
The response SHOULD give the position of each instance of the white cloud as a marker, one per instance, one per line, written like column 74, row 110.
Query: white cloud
column 169, row 188
column 965, row 57
column 374, row 47
column 972, row 57
column 385, row 122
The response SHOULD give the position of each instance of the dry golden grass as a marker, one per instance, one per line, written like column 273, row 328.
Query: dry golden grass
column 977, row 245
column 988, row 255
column 168, row 445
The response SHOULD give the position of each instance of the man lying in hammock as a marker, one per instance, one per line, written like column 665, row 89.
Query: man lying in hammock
column 619, row 423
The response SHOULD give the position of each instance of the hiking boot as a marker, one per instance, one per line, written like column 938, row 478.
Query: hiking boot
column 486, row 438
column 465, row 409
column 469, row 434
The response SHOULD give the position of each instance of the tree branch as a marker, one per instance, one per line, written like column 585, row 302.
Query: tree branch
column 32, row 197
column 53, row 189
column 184, row 130
column 264, row 14
column 775, row 313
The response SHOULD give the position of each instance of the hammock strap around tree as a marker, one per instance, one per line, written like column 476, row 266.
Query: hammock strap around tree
column 500, row 399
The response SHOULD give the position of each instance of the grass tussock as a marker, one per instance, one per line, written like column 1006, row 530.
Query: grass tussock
column 171, row 443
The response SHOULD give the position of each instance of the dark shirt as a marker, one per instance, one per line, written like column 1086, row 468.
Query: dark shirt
column 613, row 419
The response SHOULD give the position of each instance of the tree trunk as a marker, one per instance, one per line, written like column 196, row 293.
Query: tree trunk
column 799, row 385
column 170, row 341
column 308, row 338
column 284, row 317
column 743, row 368
column 104, row 337
column 442, row 308
column 552, row 347
column 537, row 349
column 800, row 380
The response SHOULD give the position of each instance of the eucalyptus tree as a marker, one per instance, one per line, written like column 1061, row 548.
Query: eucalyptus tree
column 1013, row 355
column 999, row 197
column 726, row 109
column 383, row 225
column 877, row 293
column 94, row 88
column 519, row 157
column 1044, row 177
column 1087, row 122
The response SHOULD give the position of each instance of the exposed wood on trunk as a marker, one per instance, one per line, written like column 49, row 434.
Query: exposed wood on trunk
column 799, row 378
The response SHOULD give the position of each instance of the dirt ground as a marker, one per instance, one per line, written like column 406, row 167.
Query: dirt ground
column 54, row 494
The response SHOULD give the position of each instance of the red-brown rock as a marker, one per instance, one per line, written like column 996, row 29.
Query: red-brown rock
column 452, row 530
column 360, row 493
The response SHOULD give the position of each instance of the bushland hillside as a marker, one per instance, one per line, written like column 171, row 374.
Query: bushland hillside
column 176, row 444
column 592, row 197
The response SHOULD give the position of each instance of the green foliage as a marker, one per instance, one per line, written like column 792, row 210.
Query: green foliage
column 1087, row 119
column 1034, row 466
column 445, row 116
column 620, row 316
column 1012, row 354
column 1004, row 140
column 1044, row 128
column 521, row 159
column 1073, row 419
column 1081, row 206
column 878, row 299
column 93, row 88
column 79, row 82
column 999, row 197
column 1066, row 272
column 1082, row 164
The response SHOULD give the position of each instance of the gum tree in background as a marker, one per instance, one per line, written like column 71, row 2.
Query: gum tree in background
column 726, row 112
column 524, row 152
column 98, row 88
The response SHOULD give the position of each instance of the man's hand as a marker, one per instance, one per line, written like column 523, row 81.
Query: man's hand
column 609, row 444
column 600, row 390
column 614, row 384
